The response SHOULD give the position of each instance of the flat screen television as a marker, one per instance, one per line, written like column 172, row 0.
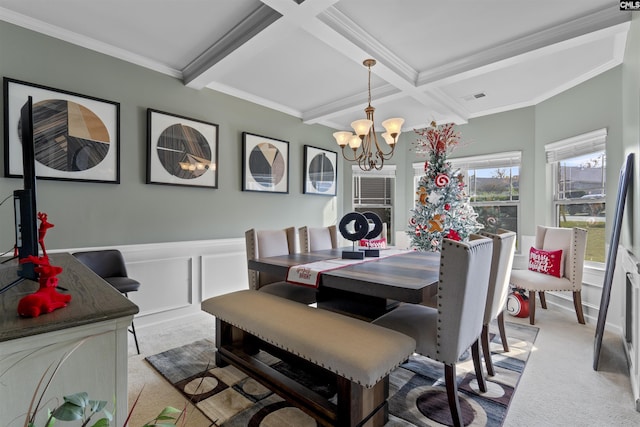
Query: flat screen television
column 26, row 226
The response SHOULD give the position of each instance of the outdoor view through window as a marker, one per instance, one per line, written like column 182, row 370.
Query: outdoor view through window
column 580, row 198
column 494, row 194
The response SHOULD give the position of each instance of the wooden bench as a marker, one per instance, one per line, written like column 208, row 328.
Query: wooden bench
column 355, row 355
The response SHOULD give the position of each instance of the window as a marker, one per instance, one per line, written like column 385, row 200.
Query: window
column 373, row 191
column 492, row 185
column 579, row 183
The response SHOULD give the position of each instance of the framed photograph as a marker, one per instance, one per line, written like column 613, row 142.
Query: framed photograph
column 181, row 151
column 265, row 164
column 76, row 137
column 320, row 171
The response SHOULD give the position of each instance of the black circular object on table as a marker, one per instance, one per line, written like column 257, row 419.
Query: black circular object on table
column 360, row 226
column 377, row 224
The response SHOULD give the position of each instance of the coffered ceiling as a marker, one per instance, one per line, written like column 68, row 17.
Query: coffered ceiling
column 436, row 59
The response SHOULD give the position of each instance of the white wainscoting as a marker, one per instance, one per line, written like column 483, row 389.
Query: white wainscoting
column 631, row 270
column 176, row 277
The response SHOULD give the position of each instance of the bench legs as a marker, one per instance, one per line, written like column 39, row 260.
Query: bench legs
column 360, row 406
column 226, row 334
column 357, row 406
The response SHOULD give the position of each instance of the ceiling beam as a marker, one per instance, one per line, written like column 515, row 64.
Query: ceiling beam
column 194, row 75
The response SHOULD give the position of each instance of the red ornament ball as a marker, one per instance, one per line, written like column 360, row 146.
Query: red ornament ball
column 518, row 304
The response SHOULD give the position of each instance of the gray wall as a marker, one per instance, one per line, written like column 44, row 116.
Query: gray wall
column 592, row 105
column 96, row 214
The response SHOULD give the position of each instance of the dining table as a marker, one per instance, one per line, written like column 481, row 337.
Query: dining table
column 368, row 288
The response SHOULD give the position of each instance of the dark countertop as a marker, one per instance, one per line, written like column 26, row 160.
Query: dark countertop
column 93, row 300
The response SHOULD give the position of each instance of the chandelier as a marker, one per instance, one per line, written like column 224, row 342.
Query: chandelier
column 365, row 146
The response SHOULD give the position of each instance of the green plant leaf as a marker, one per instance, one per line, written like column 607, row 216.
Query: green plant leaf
column 97, row 405
column 79, row 399
column 167, row 412
column 102, row 422
column 68, row 412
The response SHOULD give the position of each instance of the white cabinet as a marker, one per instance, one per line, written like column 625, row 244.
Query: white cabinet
column 93, row 327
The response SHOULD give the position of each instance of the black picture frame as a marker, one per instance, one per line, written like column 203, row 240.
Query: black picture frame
column 76, row 137
column 320, row 171
column 181, row 151
column 626, row 174
column 265, row 164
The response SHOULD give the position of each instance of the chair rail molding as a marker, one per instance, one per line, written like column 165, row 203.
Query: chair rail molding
column 176, row 277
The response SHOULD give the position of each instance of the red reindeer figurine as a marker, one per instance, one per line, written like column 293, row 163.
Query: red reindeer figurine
column 47, row 298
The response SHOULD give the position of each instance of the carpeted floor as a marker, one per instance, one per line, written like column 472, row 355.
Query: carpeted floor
column 417, row 396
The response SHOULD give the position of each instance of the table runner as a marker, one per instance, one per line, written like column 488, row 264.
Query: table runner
column 309, row 274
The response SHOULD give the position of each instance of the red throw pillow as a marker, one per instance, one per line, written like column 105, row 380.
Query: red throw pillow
column 547, row 262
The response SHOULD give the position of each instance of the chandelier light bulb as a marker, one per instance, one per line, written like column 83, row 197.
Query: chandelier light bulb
column 342, row 138
column 361, row 127
column 354, row 142
column 388, row 138
column 393, row 126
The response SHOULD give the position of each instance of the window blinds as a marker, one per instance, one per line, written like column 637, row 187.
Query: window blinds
column 485, row 161
column 579, row 145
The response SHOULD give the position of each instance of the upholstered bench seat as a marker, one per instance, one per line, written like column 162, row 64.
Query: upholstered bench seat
column 360, row 354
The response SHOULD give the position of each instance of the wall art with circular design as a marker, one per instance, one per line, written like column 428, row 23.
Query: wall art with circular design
column 181, row 150
column 76, row 137
column 320, row 171
column 265, row 164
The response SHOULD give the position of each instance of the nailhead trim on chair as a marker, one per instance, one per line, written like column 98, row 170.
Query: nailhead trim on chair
column 254, row 282
column 575, row 287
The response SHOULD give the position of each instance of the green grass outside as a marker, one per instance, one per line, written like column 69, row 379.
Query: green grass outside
column 595, row 239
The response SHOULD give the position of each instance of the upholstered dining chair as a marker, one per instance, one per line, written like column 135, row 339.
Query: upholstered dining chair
column 109, row 264
column 573, row 243
column 504, row 246
column 446, row 332
column 318, row 238
column 266, row 243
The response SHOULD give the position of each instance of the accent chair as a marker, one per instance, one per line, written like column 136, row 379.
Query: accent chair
column 573, row 243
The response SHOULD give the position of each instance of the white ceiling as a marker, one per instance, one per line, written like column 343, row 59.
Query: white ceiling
column 434, row 56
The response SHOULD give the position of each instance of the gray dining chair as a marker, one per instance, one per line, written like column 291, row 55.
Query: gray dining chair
column 267, row 243
column 446, row 332
column 504, row 246
column 318, row 238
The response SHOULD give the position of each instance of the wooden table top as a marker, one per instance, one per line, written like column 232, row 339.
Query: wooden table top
column 405, row 277
column 93, row 300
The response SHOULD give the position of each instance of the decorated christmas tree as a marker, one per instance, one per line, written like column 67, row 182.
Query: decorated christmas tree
column 442, row 207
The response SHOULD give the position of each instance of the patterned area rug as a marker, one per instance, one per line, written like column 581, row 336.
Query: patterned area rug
column 417, row 393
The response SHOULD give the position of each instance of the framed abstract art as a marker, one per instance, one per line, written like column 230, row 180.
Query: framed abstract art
column 265, row 164
column 181, row 151
column 76, row 137
column 320, row 171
